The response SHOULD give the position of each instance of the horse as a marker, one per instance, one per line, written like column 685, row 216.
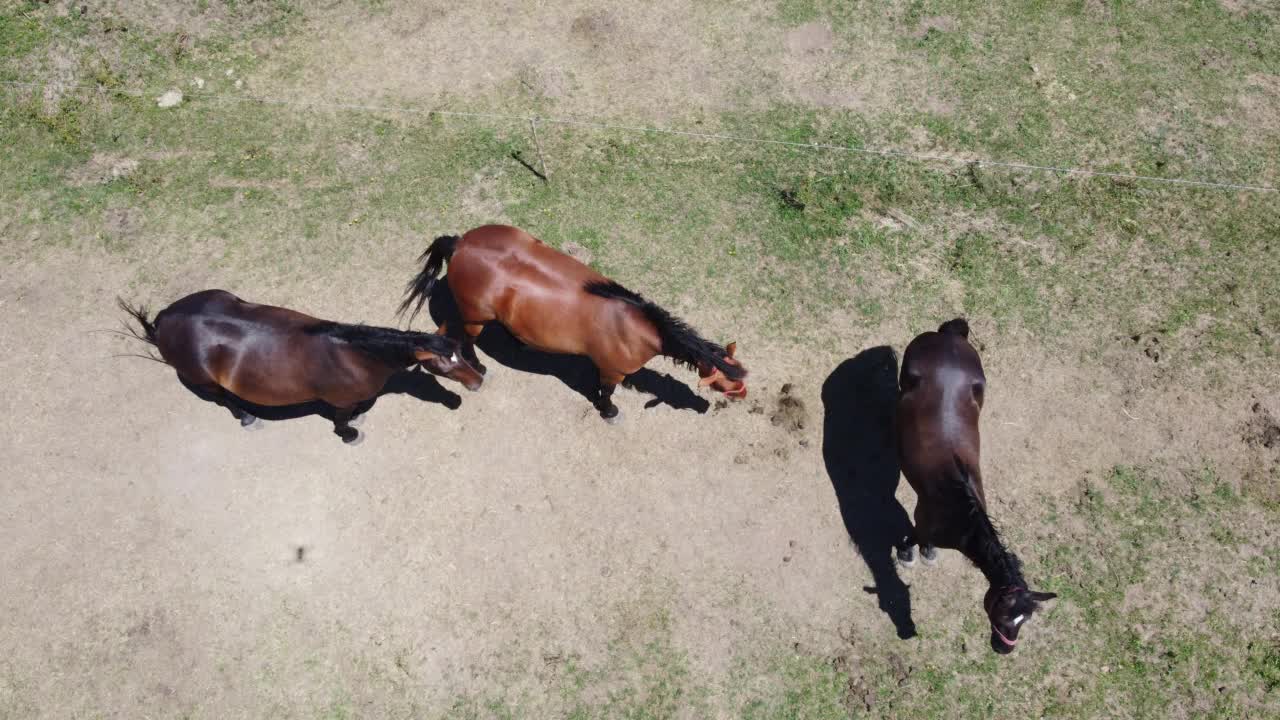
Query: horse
column 554, row 303
column 233, row 351
column 940, row 396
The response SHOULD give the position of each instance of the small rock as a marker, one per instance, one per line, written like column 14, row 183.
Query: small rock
column 199, row 83
column 239, row 83
column 170, row 99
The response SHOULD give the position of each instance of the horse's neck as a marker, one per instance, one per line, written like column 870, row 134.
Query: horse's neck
column 988, row 553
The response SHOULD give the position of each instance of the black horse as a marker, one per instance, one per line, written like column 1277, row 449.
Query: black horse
column 940, row 397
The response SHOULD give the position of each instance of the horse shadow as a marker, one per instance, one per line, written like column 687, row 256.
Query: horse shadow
column 415, row 383
column 859, row 399
column 575, row 371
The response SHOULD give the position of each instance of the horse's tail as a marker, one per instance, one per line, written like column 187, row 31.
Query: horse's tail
column 418, row 291
column 679, row 341
column 146, row 326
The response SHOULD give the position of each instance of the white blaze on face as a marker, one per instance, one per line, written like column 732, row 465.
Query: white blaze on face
column 1018, row 620
column 453, row 358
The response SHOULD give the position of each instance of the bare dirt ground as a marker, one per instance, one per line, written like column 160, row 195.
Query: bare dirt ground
column 159, row 558
column 660, row 61
column 158, row 561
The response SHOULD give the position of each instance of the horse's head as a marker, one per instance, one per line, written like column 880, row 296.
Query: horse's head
column 732, row 387
column 1008, row 609
column 451, row 366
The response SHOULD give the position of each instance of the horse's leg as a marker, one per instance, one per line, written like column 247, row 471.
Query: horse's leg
column 906, row 550
column 248, row 420
column 906, row 547
column 471, row 331
column 604, row 395
column 929, row 555
column 342, row 425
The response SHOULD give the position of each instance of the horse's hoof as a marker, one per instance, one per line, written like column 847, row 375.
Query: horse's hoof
column 614, row 418
column 251, row 422
column 929, row 556
column 907, row 558
column 355, row 439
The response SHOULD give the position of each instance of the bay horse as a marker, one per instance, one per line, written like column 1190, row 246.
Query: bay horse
column 940, row 396
column 554, row 303
column 231, row 351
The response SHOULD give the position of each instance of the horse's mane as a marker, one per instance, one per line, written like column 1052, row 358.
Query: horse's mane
column 393, row 347
column 986, row 549
column 680, row 342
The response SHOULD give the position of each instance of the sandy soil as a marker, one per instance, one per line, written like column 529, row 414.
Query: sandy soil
column 158, row 557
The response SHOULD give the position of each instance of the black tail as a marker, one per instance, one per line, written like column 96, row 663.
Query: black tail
column 679, row 341
column 418, row 291
column 955, row 327
column 146, row 329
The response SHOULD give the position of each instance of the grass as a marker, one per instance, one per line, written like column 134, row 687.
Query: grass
column 789, row 238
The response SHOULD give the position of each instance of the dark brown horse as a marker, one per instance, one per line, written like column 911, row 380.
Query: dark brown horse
column 232, row 351
column 941, row 389
column 554, row 303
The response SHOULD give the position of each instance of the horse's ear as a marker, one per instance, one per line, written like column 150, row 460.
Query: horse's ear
column 1042, row 596
column 731, row 348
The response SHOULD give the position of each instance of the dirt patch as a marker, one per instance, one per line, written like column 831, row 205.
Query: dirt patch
column 426, row 555
column 811, row 37
column 480, row 199
column 584, row 256
column 119, row 222
column 1260, row 102
column 1262, row 430
column 1150, row 346
column 1260, row 461
column 664, row 61
column 102, row 168
column 934, row 24
column 789, row 412
column 1245, row 7
column 596, row 28
column 182, row 20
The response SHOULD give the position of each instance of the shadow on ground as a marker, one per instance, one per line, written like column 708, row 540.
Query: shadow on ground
column 858, row 400
column 415, row 383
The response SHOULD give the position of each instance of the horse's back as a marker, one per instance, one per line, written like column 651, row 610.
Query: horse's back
column 220, row 305
column 213, row 335
column 520, row 257
column 538, row 293
column 940, row 400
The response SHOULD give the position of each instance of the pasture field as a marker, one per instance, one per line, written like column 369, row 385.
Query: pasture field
column 506, row 554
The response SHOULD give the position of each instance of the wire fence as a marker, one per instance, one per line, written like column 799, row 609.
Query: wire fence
column 534, row 121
